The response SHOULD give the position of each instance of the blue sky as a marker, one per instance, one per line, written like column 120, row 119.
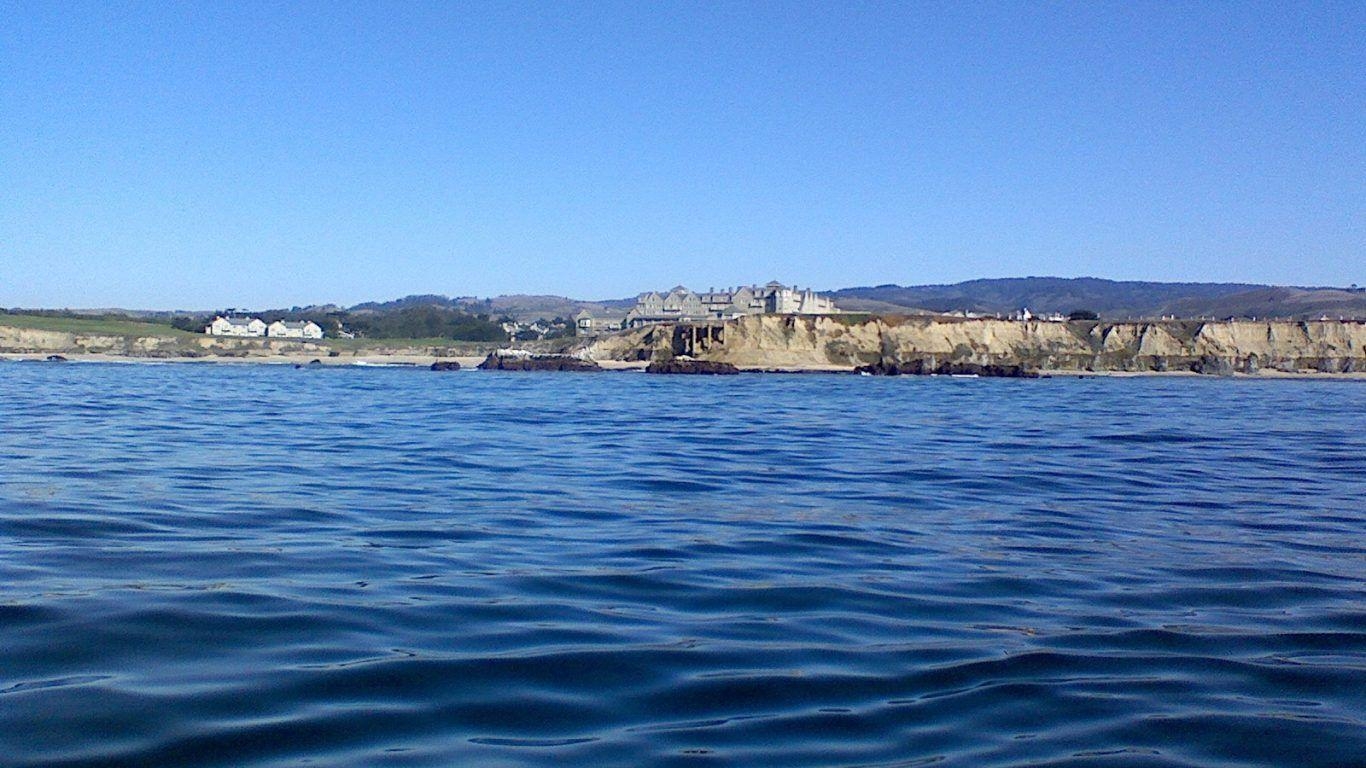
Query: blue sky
column 196, row 155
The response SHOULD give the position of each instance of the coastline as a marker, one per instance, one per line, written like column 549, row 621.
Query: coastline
column 922, row 345
column 414, row 360
column 469, row 363
column 778, row 344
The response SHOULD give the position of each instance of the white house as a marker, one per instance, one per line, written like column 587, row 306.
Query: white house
column 236, row 326
column 289, row 329
column 589, row 324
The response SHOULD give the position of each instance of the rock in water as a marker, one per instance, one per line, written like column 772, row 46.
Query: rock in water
column 992, row 370
column 1213, row 366
column 880, row 368
column 700, row 367
column 919, row 368
column 445, row 365
column 497, row 362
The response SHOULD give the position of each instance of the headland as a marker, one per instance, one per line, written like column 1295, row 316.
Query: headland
column 788, row 343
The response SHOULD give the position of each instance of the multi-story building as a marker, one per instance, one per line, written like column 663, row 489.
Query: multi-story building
column 683, row 305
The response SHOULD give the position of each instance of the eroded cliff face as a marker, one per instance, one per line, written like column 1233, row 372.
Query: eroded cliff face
column 1206, row 347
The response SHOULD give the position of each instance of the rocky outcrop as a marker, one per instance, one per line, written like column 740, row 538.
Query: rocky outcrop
column 1000, row 347
column 695, row 367
column 445, row 365
column 503, row 361
column 919, row 368
column 653, row 342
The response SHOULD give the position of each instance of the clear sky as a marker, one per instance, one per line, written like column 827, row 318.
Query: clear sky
column 199, row 155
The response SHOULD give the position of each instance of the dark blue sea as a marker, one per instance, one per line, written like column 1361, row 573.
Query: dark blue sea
column 213, row 565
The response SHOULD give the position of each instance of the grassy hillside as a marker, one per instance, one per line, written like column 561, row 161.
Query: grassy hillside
column 91, row 326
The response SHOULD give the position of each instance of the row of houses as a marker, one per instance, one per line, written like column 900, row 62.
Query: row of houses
column 683, row 305
column 523, row 330
column 255, row 326
column 1020, row 314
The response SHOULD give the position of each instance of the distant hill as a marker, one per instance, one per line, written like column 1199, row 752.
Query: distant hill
column 1277, row 302
column 531, row 307
column 1110, row 298
column 516, row 306
column 1113, row 299
column 408, row 302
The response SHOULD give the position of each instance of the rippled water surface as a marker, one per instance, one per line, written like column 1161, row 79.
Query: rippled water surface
column 219, row 565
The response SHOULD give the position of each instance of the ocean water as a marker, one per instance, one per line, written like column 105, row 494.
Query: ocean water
column 262, row 566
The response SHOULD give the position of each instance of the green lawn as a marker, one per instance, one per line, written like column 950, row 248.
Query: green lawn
column 93, row 326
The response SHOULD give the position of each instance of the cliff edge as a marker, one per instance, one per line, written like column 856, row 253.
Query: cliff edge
column 774, row 341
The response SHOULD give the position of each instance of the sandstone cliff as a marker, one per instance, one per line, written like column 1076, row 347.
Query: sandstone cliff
column 1208, row 347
